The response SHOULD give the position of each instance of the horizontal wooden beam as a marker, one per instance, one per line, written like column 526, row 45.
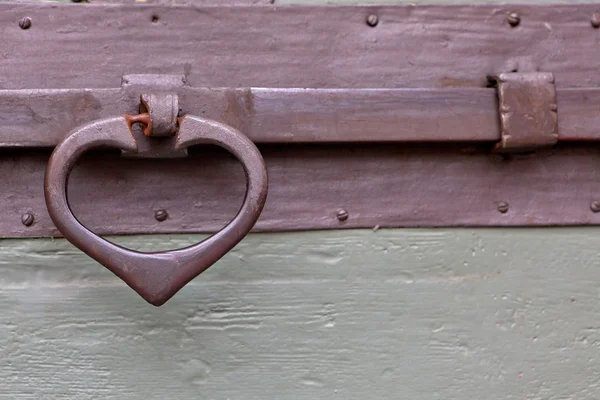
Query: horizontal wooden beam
column 384, row 185
column 42, row 118
column 416, row 46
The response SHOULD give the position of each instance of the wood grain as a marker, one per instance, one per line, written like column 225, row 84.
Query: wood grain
column 379, row 185
column 418, row 46
column 155, row 2
column 42, row 118
column 453, row 314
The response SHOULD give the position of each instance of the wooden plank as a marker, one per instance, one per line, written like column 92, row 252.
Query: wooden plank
column 379, row 115
column 42, row 118
column 334, row 315
column 295, row 46
column 379, row 185
column 419, row 2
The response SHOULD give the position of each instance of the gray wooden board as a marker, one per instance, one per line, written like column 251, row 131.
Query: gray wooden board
column 411, row 314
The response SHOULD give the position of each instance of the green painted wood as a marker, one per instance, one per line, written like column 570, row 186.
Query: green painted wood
column 415, row 314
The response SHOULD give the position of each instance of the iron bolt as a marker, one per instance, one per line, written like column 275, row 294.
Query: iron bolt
column 513, row 19
column 27, row 219
column 161, row 215
column 372, row 20
column 25, row 23
column 596, row 21
column 595, row 206
column 503, row 207
column 342, row 214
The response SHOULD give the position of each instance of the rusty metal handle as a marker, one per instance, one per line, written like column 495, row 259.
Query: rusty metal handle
column 154, row 276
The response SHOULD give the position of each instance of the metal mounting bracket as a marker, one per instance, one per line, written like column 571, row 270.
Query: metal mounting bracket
column 528, row 111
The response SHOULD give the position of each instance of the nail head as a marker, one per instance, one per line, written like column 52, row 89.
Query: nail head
column 503, row 207
column 25, row 23
column 161, row 215
column 372, row 20
column 513, row 19
column 27, row 219
column 595, row 206
column 342, row 214
column 596, row 21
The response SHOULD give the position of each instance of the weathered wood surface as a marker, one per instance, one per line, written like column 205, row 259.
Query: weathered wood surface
column 154, row 2
column 43, row 118
column 294, row 46
column 383, row 185
column 378, row 2
column 415, row 314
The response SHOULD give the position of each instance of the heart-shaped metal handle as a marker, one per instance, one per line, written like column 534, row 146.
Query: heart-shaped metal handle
column 154, row 276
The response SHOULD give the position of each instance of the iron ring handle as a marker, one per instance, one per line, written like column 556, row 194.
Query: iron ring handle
column 154, row 276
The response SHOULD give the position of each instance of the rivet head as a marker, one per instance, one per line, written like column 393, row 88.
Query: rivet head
column 27, row 219
column 342, row 214
column 25, row 23
column 513, row 19
column 596, row 21
column 502, row 207
column 372, row 20
column 595, row 206
column 161, row 215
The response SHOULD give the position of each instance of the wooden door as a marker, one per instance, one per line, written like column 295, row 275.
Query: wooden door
column 356, row 314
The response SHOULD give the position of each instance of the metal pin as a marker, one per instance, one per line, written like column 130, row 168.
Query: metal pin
column 595, row 206
column 596, row 21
